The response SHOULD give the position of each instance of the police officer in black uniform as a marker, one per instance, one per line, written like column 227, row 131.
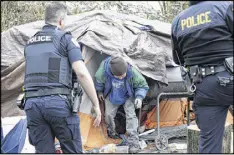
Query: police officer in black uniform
column 50, row 55
column 202, row 40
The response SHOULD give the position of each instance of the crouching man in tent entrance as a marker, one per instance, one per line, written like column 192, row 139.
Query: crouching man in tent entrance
column 118, row 83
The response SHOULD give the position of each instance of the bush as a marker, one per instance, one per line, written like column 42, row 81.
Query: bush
column 15, row 13
column 18, row 12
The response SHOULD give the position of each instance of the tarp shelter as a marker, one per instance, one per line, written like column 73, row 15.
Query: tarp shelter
column 145, row 44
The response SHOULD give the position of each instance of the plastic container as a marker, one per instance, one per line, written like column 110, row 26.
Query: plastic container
column 142, row 144
column 110, row 148
column 121, row 149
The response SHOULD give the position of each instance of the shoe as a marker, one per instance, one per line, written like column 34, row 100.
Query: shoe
column 113, row 134
column 134, row 149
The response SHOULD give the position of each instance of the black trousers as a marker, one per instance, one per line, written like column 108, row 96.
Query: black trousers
column 211, row 103
column 49, row 117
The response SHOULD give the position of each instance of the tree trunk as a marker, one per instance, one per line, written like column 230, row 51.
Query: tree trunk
column 193, row 139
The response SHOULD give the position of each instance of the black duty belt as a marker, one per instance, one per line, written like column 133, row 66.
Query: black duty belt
column 205, row 71
column 211, row 70
column 46, row 92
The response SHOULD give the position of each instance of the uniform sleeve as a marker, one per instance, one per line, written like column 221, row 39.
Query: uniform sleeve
column 229, row 18
column 73, row 49
column 140, row 84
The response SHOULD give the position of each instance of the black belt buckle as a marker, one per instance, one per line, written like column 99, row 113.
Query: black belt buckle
column 203, row 71
column 210, row 70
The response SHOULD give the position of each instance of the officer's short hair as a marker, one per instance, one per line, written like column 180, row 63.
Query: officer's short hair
column 54, row 12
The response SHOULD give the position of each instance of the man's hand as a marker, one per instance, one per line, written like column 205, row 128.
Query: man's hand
column 101, row 96
column 87, row 84
column 97, row 121
column 138, row 103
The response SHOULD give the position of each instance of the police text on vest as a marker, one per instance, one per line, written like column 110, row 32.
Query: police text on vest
column 40, row 39
column 191, row 21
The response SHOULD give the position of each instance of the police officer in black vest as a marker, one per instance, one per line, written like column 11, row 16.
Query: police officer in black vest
column 202, row 40
column 50, row 55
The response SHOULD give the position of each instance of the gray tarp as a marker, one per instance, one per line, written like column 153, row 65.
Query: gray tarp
column 12, row 80
column 104, row 31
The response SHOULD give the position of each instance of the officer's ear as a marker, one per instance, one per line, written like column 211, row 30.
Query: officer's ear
column 61, row 23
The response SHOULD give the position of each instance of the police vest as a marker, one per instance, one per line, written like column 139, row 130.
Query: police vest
column 202, row 34
column 47, row 62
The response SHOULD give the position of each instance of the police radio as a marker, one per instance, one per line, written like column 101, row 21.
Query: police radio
column 77, row 93
column 20, row 101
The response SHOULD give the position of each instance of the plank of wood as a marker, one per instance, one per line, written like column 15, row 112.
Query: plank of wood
column 193, row 139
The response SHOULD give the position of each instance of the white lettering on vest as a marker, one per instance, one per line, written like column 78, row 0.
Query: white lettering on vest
column 40, row 39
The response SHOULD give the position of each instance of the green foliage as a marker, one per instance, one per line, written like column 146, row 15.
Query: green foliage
column 15, row 13
column 169, row 9
column 18, row 12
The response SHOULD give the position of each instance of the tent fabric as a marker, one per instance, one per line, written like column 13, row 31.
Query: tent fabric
column 171, row 113
column 106, row 32
column 229, row 119
column 93, row 137
column 101, row 33
column 191, row 113
column 12, row 79
column 14, row 141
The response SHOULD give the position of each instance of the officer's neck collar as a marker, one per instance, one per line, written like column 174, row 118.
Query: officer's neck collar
column 50, row 26
column 194, row 2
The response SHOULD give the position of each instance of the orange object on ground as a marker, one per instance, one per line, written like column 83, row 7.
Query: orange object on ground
column 171, row 113
column 94, row 137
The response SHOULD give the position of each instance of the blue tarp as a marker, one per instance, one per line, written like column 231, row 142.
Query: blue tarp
column 14, row 141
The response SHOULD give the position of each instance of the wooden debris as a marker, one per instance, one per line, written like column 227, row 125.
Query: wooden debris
column 193, row 139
